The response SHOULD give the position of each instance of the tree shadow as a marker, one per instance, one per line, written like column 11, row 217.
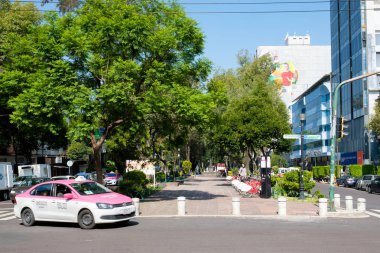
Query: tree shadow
column 188, row 194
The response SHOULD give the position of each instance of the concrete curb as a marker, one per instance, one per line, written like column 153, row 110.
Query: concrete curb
column 267, row 217
column 346, row 214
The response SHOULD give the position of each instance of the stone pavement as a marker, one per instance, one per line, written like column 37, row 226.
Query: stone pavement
column 207, row 195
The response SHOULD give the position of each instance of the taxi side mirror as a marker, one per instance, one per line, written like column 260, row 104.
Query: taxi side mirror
column 68, row 196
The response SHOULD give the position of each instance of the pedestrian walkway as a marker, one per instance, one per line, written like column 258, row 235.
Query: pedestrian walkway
column 206, row 195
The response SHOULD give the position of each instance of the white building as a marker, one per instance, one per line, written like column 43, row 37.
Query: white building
column 306, row 64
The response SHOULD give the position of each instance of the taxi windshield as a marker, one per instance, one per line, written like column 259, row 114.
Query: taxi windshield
column 89, row 188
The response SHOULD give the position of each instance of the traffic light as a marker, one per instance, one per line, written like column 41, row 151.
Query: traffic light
column 342, row 127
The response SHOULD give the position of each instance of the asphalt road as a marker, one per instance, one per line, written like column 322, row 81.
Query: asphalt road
column 169, row 235
column 372, row 200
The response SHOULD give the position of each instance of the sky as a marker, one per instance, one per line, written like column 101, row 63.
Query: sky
column 233, row 25
column 227, row 33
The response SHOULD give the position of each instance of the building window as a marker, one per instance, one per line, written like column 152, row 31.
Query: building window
column 377, row 38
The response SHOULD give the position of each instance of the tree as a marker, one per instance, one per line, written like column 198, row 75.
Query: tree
column 255, row 117
column 78, row 150
column 18, row 21
column 103, row 67
column 374, row 123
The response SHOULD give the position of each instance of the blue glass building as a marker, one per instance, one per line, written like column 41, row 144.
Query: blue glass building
column 315, row 104
column 355, row 41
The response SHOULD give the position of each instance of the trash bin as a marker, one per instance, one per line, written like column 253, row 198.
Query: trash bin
column 265, row 183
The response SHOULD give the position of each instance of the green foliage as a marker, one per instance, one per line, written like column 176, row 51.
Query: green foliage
column 321, row 172
column 235, row 171
column 160, row 177
column 78, row 150
column 275, row 169
column 278, row 160
column 288, row 185
column 374, row 123
column 356, row 170
column 111, row 165
column 134, row 67
column 368, row 169
column 317, row 194
column 134, row 184
column 186, row 166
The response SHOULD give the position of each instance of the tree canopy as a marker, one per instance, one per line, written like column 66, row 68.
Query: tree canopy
column 110, row 65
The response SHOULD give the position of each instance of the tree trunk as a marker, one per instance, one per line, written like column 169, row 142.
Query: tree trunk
column 98, row 163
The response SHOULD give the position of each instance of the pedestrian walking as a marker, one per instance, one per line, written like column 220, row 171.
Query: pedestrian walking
column 243, row 172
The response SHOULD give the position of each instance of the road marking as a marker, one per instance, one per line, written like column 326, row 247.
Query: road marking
column 373, row 214
column 9, row 218
column 6, row 214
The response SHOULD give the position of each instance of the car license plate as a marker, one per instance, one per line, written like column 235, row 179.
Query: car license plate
column 126, row 210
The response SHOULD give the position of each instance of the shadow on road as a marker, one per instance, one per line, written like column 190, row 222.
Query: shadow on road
column 174, row 194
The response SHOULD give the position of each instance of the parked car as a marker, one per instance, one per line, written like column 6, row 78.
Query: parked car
column 374, row 186
column 25, row 185
column 346, row 181
column 77, row 201
column 367, row 180
column 359, row 183
column 112, row 179
column 62, row 177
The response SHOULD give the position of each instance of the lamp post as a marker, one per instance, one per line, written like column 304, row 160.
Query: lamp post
column 333, row 134
column 302, row 186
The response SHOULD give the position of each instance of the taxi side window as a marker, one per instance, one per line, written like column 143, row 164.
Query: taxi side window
column 61, row 190
column 42, row 190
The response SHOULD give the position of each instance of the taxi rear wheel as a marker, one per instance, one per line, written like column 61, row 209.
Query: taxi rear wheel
column 27, row 217
column 86, row 219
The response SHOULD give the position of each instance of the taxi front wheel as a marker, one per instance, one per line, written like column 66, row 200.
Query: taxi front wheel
column 27, row 217
column 86, row 219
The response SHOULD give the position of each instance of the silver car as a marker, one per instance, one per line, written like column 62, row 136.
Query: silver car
column 367, row 181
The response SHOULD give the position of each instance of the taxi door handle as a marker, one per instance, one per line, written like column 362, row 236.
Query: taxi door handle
column 53, row 202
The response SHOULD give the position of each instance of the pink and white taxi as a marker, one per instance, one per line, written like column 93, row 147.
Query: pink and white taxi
column 80, row 201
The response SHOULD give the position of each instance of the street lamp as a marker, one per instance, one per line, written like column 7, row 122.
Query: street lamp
column 333, row 134
column 302, row 186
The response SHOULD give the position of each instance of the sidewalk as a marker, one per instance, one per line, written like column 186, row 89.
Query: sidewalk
column 206, row 195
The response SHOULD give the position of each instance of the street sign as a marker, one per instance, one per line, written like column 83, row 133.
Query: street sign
column 306, row 136
column 292, row 136
column 312, row 137
column 70, row 163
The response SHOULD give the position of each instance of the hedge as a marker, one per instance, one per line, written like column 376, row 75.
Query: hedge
column 355, row 170
column 320, row 172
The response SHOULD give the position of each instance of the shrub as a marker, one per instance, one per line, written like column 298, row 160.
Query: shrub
column 160, row 177
column 317, row 194
column 186, row 166
column 291, row 184
column 356, row 170
column 134, row 184
column 368, row 169
column 235, row 171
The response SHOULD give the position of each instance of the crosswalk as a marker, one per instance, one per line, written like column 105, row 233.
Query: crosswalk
column 7, row 214
column 374, row 212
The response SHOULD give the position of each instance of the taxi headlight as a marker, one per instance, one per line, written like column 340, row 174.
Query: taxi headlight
column 104, row 206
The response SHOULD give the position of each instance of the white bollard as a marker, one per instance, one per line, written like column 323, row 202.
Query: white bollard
column 181, row 203
column 282, row 206
column 236, row 206
column 136, row 202
column 337, row 201
column 322, row 207
column 349, row 204
column 361, row 205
